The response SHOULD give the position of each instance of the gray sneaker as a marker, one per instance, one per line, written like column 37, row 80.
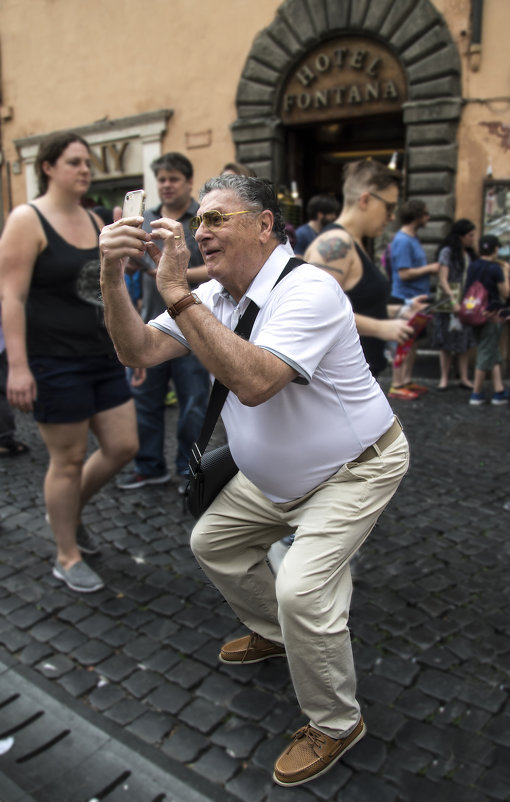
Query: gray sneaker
column 85, row 541
column 79, row 577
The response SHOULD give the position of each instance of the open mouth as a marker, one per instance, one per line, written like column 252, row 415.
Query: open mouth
column 210, row 251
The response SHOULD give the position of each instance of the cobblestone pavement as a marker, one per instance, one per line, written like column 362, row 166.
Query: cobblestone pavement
column 430, row 626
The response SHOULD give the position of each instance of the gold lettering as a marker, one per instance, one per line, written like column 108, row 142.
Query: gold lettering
column 372, row 91
column 339, row 92
column 99, row 162
column 373, row 67
column 340, row 54
column 322, row 98
column 305, row 75
column 390, row 91
column 354, row 95
column 357, row 59
column 323, row 62
column 304, row 100
column 118, row 155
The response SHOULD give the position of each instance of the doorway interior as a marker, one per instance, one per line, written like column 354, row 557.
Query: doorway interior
column 316, row 153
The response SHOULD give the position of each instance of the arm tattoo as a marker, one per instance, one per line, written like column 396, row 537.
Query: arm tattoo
column 333, row 249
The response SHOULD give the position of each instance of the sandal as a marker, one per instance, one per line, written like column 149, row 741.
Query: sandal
column 13, row 448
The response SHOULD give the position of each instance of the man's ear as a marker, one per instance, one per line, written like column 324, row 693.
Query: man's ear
column 266, row 225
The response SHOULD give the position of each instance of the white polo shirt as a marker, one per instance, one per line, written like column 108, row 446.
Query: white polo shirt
column 332, row 412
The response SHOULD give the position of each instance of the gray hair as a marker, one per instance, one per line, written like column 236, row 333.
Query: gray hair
column 256, row 193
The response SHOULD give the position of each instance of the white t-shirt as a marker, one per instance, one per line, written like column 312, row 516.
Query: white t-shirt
column 332, row 412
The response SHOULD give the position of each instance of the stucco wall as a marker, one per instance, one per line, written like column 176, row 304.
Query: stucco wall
column 67, row 63
column 481, row 144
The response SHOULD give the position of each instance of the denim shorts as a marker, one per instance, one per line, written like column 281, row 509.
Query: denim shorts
column 73, row 389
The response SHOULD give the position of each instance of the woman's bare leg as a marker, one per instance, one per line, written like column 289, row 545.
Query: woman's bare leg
column 445, row 362
column 463, row 361
column 117, row 435
column 67, row 445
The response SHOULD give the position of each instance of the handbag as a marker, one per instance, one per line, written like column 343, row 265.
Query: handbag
column 211, row 470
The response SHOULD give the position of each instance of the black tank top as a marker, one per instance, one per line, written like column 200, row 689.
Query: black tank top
column 369, row 297
column 64, row 310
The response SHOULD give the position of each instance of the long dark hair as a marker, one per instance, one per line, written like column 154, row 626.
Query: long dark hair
column 50, row 150
column 453, row 241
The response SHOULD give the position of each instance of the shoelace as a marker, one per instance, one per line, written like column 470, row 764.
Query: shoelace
column 314, row 738
column 251, row 644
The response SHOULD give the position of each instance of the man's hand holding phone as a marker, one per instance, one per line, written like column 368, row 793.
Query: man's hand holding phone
column 134, row 204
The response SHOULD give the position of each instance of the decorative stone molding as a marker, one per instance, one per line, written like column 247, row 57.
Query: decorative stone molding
column 418, row 36
column 145, row 131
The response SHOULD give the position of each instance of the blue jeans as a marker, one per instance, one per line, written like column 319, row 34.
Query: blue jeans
column 191, row 382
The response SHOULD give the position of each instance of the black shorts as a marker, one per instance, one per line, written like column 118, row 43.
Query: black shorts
column 73, row 389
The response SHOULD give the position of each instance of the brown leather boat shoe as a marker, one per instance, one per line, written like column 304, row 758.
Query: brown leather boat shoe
column 250, row 649
column 312, row 753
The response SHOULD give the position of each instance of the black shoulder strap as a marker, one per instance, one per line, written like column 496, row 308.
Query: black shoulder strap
column 93, row 219
column 219, row 392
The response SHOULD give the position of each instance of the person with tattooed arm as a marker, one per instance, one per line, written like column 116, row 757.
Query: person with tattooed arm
column 370, row 193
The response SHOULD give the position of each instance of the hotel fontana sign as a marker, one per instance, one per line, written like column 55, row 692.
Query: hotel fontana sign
column 345, row 77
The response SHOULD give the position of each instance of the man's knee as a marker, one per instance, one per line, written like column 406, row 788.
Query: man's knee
column 198, row 542
column 291, row 596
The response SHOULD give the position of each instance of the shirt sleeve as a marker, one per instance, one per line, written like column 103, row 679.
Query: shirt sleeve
column 304, row 322
column 401, row 254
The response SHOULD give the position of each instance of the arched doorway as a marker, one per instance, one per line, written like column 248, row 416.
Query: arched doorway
column 418, row 40
column 342, row 101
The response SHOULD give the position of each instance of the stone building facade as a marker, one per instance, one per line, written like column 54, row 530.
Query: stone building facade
column 294, row 89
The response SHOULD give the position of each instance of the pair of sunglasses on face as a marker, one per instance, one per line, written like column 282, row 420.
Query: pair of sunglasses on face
column 212, row 220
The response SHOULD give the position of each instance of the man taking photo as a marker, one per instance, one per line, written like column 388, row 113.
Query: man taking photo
column 317, row 445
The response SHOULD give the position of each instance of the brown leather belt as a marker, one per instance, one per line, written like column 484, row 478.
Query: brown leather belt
column 384, row 441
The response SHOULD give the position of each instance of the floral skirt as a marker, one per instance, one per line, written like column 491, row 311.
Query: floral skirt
column 453, row 340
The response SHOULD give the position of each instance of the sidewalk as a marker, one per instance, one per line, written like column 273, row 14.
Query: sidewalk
column 138, row 660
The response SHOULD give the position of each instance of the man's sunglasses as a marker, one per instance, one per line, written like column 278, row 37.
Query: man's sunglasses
column 391, row 208
column 212, row 220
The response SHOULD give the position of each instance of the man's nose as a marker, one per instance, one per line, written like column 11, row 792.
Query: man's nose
column 201, row 232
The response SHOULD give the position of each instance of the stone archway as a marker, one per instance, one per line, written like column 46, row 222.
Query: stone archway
column 420, row 39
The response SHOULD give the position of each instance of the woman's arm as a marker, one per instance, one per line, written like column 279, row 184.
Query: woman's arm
column 504, row 286
column 334, row 252
column 396, row 329
column 22, row 241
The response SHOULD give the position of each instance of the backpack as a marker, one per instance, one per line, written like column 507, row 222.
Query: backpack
column 473, row 309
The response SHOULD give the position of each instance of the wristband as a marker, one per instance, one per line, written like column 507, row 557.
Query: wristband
column 182, row 304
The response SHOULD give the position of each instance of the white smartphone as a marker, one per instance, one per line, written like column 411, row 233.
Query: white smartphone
column 134, row 203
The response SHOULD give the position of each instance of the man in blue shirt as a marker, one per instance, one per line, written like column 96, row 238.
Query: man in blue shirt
column 411, row 276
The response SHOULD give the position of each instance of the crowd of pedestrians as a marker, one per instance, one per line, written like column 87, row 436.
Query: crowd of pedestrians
column 306, row 419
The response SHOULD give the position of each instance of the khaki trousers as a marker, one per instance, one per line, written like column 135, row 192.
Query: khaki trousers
column 307, row 606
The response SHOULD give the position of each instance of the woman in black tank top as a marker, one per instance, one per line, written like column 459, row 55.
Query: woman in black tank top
column 62, row 365
column 370, row 199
